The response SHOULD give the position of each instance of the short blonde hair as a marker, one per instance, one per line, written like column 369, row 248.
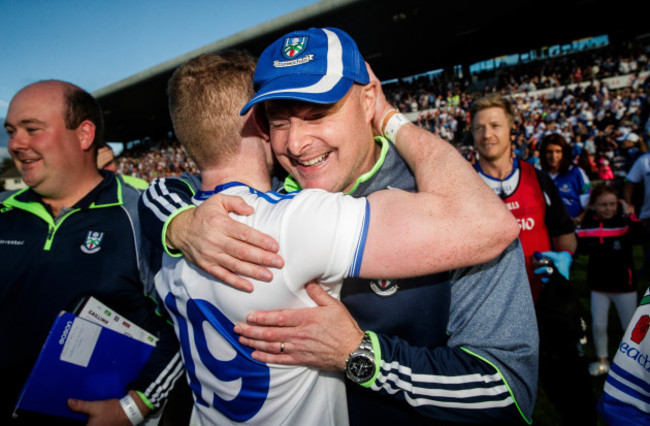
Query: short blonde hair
column 205, row 97
column 491, row 101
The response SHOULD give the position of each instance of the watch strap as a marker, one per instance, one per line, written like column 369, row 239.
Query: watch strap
column 363, row 354
column 376, row 349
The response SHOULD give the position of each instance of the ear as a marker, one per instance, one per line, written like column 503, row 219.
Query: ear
column 254, row 125
column 86, row 134
column 261, row 122
column 369, row 99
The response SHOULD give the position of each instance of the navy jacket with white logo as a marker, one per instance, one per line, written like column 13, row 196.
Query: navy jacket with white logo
column 48, row 265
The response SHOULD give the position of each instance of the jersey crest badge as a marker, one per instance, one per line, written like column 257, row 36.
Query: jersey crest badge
column 294, row 46
column 384, row 288
column 93, row 242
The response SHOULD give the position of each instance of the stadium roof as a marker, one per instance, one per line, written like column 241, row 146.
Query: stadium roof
column 398, row 38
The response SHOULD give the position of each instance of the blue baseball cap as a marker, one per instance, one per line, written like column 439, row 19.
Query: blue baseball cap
column 317, row 65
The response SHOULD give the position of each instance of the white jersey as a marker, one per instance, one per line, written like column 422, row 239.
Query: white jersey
column 321, row 236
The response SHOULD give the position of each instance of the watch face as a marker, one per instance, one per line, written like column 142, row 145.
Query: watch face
column 360, row 369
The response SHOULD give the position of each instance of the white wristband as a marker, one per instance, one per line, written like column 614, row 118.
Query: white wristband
column 394, row 124
column 131, row 410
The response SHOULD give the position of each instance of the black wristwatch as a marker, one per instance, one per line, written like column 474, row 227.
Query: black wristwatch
column 360, row 366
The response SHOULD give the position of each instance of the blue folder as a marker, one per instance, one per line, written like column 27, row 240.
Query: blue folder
column 83, row 360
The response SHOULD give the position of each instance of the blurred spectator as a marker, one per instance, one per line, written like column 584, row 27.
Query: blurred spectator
column 534, row 160
column 587, row 162
column 604, row 170
column 106, row 161
column 571, row 181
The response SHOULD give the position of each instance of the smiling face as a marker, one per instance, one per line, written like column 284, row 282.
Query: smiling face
column 491, row 132
column 42, row 148
column 324, row 146
column 606, row 205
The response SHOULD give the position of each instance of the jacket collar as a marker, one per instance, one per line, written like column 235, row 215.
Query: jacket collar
column 107, row 193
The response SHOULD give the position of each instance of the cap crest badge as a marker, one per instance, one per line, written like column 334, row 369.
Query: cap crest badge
column 294, row 46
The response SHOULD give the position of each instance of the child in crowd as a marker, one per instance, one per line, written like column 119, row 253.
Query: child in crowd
column 604, row 170
column 607, row 234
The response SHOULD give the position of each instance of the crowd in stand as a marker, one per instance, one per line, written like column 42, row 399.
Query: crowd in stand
column 148, row 161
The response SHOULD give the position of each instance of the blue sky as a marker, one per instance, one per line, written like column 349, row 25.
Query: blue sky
column 95, row 43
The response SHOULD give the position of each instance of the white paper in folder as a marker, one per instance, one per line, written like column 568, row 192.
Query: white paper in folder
column 95, row 311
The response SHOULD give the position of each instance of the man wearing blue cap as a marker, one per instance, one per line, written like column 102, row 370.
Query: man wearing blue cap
column 329, row 237
column 451, row 346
